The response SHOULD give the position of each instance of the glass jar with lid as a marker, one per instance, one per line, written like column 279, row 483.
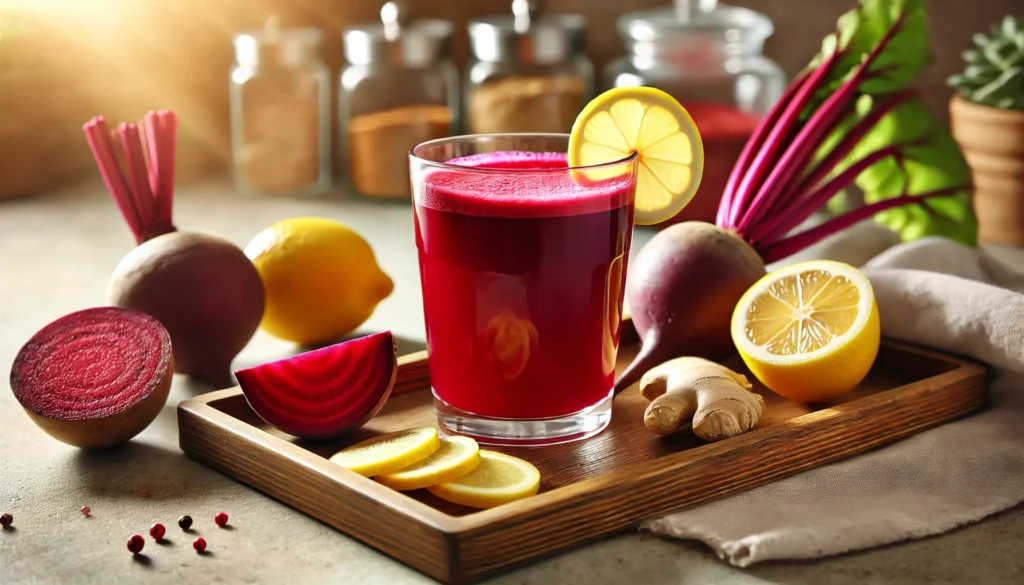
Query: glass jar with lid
column 709, row 57
column 398, row 88
column 528, row 72
column 280, row 98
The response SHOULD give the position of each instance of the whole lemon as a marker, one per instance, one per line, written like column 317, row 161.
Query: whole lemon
column 321, row 279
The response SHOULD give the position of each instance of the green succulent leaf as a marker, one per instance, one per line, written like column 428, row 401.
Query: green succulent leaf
column 973, row 56
column 932, row 162
column 1010, row 26
column 1008, row 85
column 994, row 75
column 980, row 72
column 1011, row 103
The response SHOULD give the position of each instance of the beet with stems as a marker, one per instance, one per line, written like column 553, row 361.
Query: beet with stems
column 95, row 378
column 202, row 287
column 811, row 145
column 326, row 392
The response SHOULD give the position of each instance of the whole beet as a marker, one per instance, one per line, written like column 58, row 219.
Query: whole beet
column 205, row 292
column 682, row 290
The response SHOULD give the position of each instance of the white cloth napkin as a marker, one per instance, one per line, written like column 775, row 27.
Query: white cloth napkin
column 932, row 292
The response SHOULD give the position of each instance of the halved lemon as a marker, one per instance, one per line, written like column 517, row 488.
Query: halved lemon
column 651, row 123
column 456, row 457
column 498, row 479
column 388, row 453
column 809, row 331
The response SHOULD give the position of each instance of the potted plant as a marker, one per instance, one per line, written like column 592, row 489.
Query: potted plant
column 987, row 119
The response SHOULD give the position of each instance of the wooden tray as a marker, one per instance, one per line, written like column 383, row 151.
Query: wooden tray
column 590, row 489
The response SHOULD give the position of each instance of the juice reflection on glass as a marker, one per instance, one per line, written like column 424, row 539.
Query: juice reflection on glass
column 522, row 265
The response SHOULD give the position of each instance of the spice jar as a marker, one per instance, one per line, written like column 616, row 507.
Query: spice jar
column 528, row 71
column 280, row 98
column 399, row 88
column 709, row 57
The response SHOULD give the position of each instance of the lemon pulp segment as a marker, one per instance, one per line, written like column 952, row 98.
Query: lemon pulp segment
column 803, row 312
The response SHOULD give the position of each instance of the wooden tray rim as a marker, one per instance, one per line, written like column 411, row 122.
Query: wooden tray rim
column 482, row 520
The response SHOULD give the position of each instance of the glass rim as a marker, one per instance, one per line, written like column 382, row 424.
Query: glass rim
column 465, row 168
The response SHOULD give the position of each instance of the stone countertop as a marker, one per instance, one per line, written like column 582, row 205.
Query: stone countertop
column 57, row 253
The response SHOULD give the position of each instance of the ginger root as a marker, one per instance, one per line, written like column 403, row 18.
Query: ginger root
column 717, row 399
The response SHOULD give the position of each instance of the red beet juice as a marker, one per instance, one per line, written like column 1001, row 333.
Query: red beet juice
column 523, row 272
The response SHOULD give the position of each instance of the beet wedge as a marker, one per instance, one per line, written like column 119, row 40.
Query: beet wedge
column 326, row 392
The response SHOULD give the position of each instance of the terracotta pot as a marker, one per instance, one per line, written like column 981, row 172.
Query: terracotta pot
column 993, row 144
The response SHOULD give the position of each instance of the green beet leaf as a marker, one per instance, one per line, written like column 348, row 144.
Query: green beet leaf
column 860, row 30
column 853, row 121
column 932, row 162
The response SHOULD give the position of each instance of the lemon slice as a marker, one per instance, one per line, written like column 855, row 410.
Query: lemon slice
column 498, row 479
column 388, row 453
column 651, row 123
column 809, row 331
column 456, row 457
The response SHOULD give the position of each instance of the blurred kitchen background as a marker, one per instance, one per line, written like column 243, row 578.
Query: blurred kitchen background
column 63, row 61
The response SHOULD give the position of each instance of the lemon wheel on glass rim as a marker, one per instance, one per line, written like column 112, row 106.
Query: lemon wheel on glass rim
column 650, row 122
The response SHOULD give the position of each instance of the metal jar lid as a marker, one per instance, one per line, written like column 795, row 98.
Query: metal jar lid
column 649, row 31
column 274, row 46
column 398, row 40
column 526, row 35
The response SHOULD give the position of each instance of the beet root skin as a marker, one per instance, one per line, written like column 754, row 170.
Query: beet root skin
column 95, row 378
column 203, row 289
column 682, row 290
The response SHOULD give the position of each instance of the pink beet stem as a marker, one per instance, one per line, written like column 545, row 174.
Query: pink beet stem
column 851, row 139
column 753, row 145
column 139, row 176
column 793, row 244
column 814, row 200
column 98, row 136
column 150, row 125
column 801, row 150
column 142, row 183
column 169, row 133
column 795, row 158
column 778, row 137
column 795, row 197
column 144, row 142
column 156, row 137
column 808, row 139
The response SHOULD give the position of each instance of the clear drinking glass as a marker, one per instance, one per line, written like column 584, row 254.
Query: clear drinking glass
column 522, row 262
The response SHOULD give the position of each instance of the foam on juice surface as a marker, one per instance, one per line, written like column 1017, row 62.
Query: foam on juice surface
column 542, row 189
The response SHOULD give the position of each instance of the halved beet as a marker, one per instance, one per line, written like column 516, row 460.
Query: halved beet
column 326, row 392
column 95, row 378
